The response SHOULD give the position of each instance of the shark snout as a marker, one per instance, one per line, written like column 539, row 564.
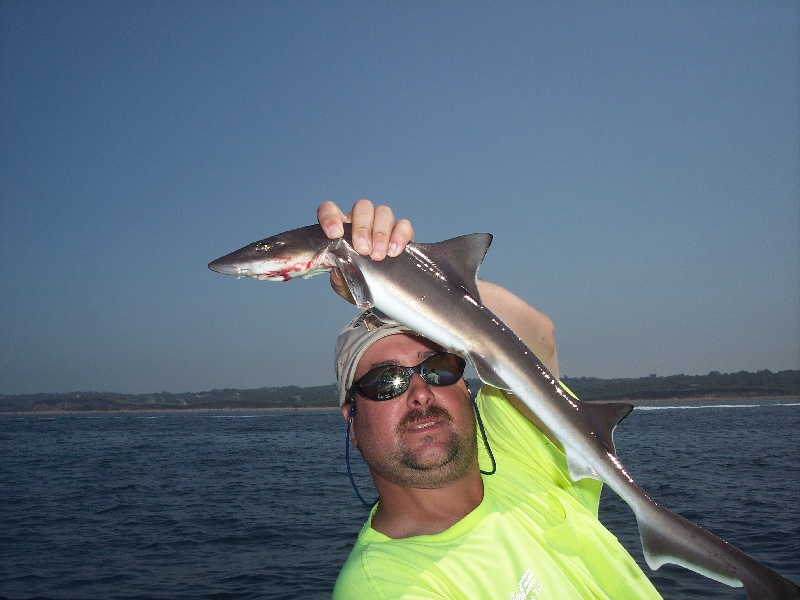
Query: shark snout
column 224, row 266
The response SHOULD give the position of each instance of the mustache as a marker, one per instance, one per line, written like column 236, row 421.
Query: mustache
column 418, row 414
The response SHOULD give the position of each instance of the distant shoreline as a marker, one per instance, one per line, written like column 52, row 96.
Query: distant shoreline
column 237, row 409
column 634, row 402
column 714, row 387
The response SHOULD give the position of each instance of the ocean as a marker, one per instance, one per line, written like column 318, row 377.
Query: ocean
column 258, row 504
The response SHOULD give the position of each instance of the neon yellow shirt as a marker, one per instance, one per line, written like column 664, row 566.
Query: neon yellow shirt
column 535, row 535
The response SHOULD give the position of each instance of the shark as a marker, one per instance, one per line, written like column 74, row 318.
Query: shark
column 432, row 289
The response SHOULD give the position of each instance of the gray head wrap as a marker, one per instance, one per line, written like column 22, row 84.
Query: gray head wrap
column 363, row 331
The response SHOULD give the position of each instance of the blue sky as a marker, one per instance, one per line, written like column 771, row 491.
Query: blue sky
column 637, row 162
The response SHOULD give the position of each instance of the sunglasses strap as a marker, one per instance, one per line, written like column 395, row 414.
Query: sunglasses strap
column 347, row 460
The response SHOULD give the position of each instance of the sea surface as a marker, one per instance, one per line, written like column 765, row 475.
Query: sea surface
column 259, row 505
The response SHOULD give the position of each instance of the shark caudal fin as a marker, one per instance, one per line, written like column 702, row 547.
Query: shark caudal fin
column 669, row 538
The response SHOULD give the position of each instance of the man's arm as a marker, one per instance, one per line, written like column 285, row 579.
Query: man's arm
column 534, row 328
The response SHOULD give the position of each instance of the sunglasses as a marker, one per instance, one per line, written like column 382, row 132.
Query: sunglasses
column 389, row 381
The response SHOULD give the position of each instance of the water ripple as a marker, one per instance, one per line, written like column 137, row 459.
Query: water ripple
column 259, row 506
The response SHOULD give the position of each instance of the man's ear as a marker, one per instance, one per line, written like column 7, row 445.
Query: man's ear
column 348, row 412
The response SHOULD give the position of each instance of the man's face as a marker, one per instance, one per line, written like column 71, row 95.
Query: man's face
column 424, row 438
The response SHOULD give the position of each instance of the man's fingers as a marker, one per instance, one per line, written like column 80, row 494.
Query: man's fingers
column 331, row 219
column 382, row 226
column 375, row 233
column 402, row 233
column 362, row 217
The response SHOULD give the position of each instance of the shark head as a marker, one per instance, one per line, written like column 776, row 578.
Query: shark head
column 298, row 253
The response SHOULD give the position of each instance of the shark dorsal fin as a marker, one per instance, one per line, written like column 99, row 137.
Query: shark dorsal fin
column 604, row 418
column 459, row 258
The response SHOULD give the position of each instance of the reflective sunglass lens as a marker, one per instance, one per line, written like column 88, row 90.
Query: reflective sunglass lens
column 391, row 383
column 442, row 369
column 385, row 383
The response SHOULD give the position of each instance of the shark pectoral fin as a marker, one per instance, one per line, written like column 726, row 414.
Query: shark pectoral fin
column 460, row 258
column 604, row 418
column 354, row 279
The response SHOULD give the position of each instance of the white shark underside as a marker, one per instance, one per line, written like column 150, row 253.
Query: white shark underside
column 432, row 289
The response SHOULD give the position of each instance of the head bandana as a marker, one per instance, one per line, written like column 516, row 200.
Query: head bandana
column 363, row 331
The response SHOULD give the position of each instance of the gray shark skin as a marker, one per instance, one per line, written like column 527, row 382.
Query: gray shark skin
column 432, row 289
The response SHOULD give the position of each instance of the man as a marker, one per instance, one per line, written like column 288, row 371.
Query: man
column 457, row 517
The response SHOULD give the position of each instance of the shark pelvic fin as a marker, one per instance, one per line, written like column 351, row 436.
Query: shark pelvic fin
column 459, row 258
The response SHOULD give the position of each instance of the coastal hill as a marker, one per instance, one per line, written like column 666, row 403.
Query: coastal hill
column 715, row 384
column 721, row 385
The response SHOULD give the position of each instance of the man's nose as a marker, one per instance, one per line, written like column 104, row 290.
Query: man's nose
column 419, row 391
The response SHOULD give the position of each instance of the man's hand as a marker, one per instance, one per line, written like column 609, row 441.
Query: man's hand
column 375, row 234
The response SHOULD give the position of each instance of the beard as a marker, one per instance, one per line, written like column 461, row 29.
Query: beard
column 429, row 465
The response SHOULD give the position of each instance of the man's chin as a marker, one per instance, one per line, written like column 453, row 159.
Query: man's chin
column 436, row 456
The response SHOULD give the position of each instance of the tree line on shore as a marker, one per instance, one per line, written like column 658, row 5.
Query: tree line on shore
column 743, row 384
column 715, row 384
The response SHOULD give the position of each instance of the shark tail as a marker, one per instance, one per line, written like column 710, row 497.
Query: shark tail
column 669, row 538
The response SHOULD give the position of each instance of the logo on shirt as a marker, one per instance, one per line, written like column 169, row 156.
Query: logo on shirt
column 529, row 587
